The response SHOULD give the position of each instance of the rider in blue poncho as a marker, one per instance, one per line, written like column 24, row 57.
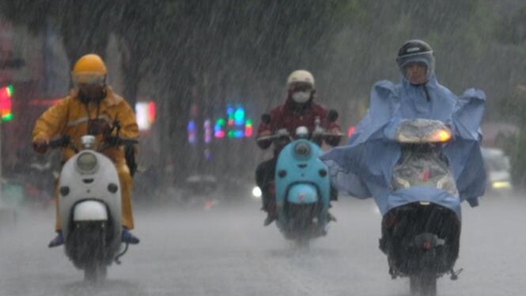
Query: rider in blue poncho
column 364, row 167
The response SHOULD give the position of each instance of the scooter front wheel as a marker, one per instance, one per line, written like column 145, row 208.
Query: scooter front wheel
column 302, row 243
column 95, row 273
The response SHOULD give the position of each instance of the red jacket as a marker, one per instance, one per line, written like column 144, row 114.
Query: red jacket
column 292, row 115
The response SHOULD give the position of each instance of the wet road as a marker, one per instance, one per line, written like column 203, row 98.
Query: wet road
column 227, row 251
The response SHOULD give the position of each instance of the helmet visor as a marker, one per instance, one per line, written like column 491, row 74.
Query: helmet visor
column 88, row 78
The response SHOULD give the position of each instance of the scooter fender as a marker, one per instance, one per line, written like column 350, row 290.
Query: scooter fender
column 302, row 194
column 101, row 187
column 90, row 210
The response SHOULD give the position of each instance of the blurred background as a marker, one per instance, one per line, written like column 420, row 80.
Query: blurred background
column 201, row 73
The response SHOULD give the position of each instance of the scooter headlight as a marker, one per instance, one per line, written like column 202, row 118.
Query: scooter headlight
column 87, row 163
column 256, row 192
column 302, row 149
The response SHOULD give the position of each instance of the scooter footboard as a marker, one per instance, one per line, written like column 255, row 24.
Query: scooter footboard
column 302, row 194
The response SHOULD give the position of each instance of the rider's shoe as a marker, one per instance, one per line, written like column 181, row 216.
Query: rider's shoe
column 128, row 237
column 57, row 241
column 271, row 216
column 272, row 212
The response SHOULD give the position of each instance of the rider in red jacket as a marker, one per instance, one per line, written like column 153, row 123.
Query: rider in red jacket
column 298, row 110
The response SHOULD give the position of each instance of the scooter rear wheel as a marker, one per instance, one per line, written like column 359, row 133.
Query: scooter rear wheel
column 423, row 285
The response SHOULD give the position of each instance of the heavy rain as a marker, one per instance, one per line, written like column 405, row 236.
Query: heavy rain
column 202, row 79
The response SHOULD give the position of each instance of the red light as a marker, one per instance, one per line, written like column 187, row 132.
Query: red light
column 350, row 131
column 5, row 103
column 248, row 128
column 220, row 134
column 248, row 131
column 151, row 112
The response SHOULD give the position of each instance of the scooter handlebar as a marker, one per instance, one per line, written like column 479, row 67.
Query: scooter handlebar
column 61, row 142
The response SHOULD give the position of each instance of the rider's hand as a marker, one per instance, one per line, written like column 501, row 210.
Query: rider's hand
column 41, row 145
column 283, row 132
column 262, row 142
column 335, row 131
column 334, row 137
column 113, row 141
column 264, row 134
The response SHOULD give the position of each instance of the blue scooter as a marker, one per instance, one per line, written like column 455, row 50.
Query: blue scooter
column 302, row 186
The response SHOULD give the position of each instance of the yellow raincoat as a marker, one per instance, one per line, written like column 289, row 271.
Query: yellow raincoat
column 70, row 117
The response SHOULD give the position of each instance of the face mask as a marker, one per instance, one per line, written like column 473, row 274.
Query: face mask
column 94, row 96
column 301, row 97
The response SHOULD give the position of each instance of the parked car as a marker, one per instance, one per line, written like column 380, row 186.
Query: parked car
column 498, row 170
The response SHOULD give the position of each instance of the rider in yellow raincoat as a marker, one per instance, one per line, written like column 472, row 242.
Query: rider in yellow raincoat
column 91, row 108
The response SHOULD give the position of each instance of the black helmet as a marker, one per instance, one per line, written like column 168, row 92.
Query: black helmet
column 412, row 47
column 416, row 51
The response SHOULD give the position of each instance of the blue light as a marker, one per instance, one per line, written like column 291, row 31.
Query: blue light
column 191, row 132
column 239, row 134
column 239, row 117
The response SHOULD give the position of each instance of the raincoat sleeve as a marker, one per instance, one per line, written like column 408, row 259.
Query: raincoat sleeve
column 367, row 155
column 464, row 151
column 129, row 128
column 52, row 121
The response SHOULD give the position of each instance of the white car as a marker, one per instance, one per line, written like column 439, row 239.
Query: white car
column 498, row 169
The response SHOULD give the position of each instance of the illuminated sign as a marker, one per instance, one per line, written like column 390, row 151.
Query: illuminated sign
column 235, row 126
column 190, row 128
column 6, row 93
column 145, row 113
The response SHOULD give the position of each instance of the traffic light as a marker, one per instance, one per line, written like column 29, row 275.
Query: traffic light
column 5, row 102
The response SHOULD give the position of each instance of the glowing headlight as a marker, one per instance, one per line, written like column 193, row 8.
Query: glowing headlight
column 501, row 185
column 87, row 162
column 302, row 149
column 256, row 192
column 440, row 136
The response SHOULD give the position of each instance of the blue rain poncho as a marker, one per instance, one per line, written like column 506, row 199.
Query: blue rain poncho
column 364, row 167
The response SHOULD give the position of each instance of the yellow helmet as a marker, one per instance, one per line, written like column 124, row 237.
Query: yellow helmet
column 89, row 69
column 301, row 76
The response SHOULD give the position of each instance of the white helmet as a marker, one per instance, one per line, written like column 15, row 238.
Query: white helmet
column 301, row 76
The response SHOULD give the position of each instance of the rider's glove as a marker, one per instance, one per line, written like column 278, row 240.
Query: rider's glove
column 40, row 146
column 473, row 202
column 113, row 141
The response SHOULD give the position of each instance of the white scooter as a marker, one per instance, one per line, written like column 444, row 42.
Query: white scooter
column 90, row 209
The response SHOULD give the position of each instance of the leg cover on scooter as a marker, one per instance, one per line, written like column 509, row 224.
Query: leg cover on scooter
column 126, row 183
